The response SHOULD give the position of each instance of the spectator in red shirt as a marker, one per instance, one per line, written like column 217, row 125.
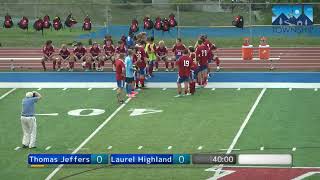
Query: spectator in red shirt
column 48, row 51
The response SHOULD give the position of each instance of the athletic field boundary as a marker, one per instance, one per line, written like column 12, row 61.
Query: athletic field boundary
column 210, row 85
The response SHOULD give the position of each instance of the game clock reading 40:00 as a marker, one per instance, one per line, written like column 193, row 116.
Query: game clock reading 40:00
column 214, row 159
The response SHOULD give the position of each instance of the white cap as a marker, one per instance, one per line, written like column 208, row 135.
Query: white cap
column 29, row 94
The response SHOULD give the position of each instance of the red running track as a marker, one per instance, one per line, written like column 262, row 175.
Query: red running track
column 289, row 59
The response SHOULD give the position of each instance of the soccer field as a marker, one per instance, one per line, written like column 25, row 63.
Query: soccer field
column 273, row 121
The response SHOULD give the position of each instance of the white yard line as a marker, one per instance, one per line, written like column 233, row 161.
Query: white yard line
column 237, row 136
column 231, row 150
column 89, row 137
column 7, row 93
column 48, row 114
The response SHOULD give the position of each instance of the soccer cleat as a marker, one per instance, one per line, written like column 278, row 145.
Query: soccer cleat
column 70, row 70
column 59, row 69
column 176, row 96
column 24, row 146
column 134, row 92
column 131, row 96
column 218, row 68
column 167, row 70
column 172, row 70
column 32, row 147
column 155, row 70
column 188, row 94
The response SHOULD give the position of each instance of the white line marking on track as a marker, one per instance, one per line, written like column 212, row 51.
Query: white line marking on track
column 308, row 174
column 109, row 147
column 7, row 93
column 237, row 136
column 169, row 147
column 64, row 89
column 89, row 89
column 294, row 149
column 164, row 89
column 261, row 148
column 213, row 89
column 315, row 89
column 47, row 148
column 114, row 89
column 39, row 89
column 140, row 147
column 17, row 148
column 200, row 147
column 89, row 137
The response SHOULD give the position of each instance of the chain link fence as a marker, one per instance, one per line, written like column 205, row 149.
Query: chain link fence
column 194, row 17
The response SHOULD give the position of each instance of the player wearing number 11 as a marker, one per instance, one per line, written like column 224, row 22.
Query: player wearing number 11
column 202, row 54
column 184, row 65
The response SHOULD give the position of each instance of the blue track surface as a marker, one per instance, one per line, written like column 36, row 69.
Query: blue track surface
column 288, row 77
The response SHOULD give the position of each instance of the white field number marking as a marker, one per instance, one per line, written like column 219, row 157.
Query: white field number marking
column 94, row 112
column 138, row 112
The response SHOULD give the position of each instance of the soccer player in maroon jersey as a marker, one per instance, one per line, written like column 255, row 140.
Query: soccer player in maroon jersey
column 120, row 77
column 212, row 50
column 79, row 51
column 48, row 51
column 64, row 54
column 194, row 71
column 203, row 58
column 162, row 53
column 71, row 59
column 96, row 56
column 140, row 60
column 178, row 50
column 109, row 51
column 121, row 48
column 184, row 65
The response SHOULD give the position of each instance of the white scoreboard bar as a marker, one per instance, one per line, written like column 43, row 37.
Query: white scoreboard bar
column 265, row 159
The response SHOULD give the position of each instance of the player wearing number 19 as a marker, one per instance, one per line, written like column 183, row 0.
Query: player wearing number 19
column 184, row 65
column 202, row 54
